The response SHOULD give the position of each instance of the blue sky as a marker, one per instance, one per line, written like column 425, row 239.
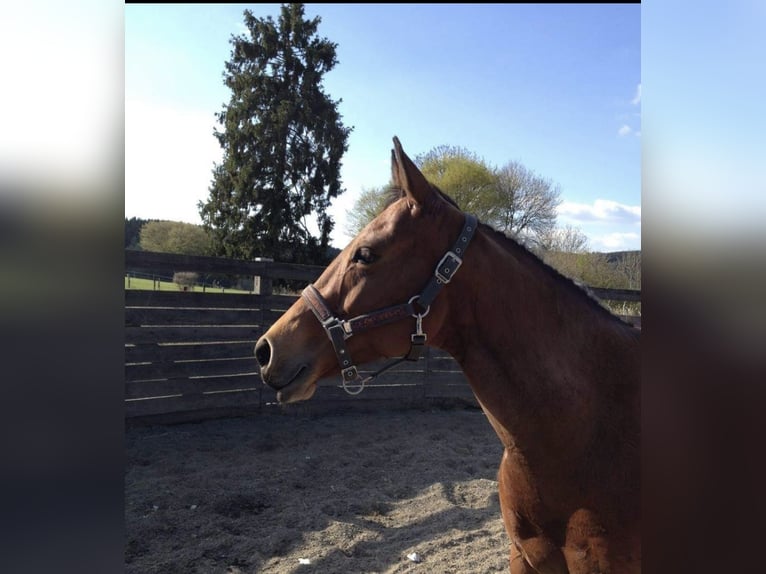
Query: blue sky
column 557, row 87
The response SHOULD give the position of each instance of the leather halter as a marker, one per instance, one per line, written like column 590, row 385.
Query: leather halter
column 339, row 330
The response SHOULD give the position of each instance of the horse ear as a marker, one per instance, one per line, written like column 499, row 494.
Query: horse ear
column 407, row 177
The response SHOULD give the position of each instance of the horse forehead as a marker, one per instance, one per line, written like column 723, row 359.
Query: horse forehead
column 382, row 227
column 398, row 225
column 382, row 232
column 411, row 243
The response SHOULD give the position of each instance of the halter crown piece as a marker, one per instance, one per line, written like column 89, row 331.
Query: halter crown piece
column 339, row 330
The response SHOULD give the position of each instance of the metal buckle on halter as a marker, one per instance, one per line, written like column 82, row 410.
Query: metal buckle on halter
column 447, row 267
column 334, row 323
column 350, row 374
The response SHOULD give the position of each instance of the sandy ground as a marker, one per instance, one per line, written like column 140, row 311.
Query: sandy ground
column 290, row 493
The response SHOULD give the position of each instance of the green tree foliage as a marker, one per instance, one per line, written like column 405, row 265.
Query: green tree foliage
column 462, row 175
column 369, row 204
column 283, row 141
column 175, row 237
column 133, row 232
column 512, row 199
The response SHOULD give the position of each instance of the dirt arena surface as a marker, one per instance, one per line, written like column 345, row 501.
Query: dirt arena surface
column 295, row 493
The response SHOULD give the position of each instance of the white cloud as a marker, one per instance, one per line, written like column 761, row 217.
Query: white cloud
column 600, row 211
column 625, row 129
column 637, row 98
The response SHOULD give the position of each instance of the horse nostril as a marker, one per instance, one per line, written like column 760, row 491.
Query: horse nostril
column 263, row 352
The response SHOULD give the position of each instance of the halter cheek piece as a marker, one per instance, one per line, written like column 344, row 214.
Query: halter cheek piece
column 339, row 330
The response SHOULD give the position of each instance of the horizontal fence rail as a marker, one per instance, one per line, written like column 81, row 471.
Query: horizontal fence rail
column 267, row 269
column 189, row 355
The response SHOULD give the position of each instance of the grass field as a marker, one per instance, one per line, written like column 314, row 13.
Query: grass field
column 149, row 285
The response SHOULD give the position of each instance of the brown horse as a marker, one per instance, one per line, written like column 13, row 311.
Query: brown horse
column 556, row 374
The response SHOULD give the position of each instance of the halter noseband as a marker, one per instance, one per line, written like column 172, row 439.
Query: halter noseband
column 338, row 330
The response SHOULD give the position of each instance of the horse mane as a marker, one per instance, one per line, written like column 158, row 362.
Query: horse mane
column 513, row 246
column 516, row 248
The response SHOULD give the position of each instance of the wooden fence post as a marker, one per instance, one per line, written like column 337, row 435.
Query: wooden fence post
column 262, row 285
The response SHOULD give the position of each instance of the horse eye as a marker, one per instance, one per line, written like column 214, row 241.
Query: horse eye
column 364, row 255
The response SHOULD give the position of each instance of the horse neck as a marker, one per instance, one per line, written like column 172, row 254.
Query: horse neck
column 528, row 343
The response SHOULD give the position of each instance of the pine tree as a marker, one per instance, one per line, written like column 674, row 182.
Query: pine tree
column 283, row 141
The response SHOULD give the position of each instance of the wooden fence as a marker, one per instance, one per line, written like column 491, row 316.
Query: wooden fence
column 189, row 355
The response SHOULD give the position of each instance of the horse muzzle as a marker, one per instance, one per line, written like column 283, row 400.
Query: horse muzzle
column 292, row 380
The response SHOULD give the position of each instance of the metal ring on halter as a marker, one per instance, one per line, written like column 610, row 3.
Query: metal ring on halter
column 361, row 385
column 419, row 315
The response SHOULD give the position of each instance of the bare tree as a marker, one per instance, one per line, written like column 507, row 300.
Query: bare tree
column 566, row 249
column 629, row 265
column 567, row 239
column 525, row 203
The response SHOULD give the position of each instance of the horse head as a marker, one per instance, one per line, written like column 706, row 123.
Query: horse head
column 373, row 290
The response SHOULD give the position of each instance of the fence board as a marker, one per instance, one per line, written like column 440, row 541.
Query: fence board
column 435, row 354
column 449, row 390
column 171, row 369
column 616, row 294
column 171, row 334
column 141, row 298
column 178, row 352
column 632, row 319
column 239, row 267
column 388, row 379
column 178, row 317
column 446, row 378
column 393, row 393
column 187, row 386
column 443, row 364
column 148, row 407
